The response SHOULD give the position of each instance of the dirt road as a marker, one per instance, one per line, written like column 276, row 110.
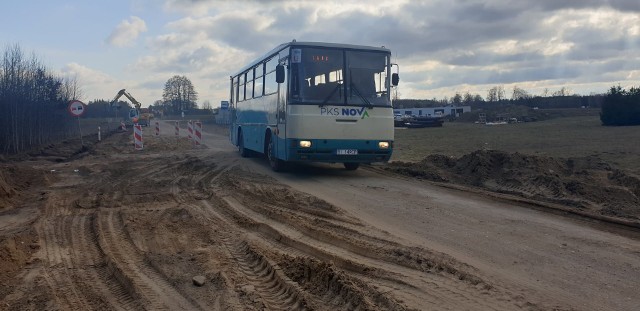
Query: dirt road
column 119, row 229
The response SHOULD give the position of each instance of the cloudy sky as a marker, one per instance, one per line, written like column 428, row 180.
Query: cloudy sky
column 442, row 46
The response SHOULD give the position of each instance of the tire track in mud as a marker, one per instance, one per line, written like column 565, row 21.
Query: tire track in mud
column 57, row 269
column 327, row 298
column 73, row 267
column 142, row 278
column 101, row 276
column 131, row 268
column 418, row 275
column 197, row 184
column 265, row 279
column 120, row 295
column 407, row 282
column 277, row 292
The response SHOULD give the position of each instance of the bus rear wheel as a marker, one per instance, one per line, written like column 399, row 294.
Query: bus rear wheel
column 351, row 166
column 276, row 164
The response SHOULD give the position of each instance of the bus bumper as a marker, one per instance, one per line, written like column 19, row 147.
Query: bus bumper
column 339, row 151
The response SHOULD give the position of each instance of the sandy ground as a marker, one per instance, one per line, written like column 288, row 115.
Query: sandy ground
column 113, row 228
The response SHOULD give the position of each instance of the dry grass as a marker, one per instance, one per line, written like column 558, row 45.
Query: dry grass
column 561, row 137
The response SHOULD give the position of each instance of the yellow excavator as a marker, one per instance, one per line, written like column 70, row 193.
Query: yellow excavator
column 135, row 114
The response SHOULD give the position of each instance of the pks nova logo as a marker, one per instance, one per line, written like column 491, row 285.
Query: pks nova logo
column 347, row 112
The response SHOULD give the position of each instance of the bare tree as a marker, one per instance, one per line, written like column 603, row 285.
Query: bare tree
column 500, row 92
column 32, row 103
column 456, row 99
column 545, row 92
column 467, row 98
column 207, row 105
column 71, row 89
column 519, row 93
column 564, row 91
column 492, row 94
column 179, row 94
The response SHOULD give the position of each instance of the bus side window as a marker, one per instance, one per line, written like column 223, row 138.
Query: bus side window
column 258, row 83
column 250, row 84
column 243, row 91
column 270, row 84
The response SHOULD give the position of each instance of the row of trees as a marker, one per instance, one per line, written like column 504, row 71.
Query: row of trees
column 33, row 103
column 498, row 93
column 101, row 108
column 621, row 107
column 476, row 101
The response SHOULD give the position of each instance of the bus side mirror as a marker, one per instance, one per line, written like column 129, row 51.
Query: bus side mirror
column 395, row 79
column 280, row 74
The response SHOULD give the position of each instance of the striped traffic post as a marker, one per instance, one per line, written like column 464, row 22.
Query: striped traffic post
column 123, row 126
column 137, row 136
column 190, row 129
column 177, row 126
column 157, row 128
column 198, row 133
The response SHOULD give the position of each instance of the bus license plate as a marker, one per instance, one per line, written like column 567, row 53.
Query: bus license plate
column 347, row 152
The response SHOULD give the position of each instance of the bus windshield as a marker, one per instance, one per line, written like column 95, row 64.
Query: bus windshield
column 339, row 77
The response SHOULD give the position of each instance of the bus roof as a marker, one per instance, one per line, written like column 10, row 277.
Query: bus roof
column 312, row 44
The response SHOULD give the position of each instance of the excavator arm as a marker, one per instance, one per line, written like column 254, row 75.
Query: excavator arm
column 128, row 96
column 134, row 113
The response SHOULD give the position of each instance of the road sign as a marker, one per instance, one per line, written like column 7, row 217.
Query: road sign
column 224, row 105
column 77, row 108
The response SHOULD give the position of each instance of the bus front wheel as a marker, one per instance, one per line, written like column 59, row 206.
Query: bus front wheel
column 276, row 164
column 351, row 166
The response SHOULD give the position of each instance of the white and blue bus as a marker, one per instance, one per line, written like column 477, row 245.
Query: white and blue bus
column 315, row 102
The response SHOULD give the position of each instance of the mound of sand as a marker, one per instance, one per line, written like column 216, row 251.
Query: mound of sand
column 6, row 190
column 585, row 183
column 16, row 179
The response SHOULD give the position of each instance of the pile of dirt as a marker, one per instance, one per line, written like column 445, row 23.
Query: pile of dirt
column 16, row 178
column 66, row 150
column 585, row 183
column 15, row 253
column 6, row 190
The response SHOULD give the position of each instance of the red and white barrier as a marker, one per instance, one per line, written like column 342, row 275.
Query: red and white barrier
column 137, row 136
column 197, row 138
column 190, row 129
column 123, row 126
column 157, row 128
column 177, row 129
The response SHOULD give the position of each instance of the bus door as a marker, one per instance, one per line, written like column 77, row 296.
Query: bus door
column 281, row 114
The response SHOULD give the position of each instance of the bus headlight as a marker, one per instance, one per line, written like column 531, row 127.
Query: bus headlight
column 305, row 144
column 383, row 145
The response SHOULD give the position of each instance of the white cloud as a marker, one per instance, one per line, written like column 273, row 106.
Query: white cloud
column 191, row 7
column 94, row 82
column 127, row 32
column 87, row 75
column 443, row 47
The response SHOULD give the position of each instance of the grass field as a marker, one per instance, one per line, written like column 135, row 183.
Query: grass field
column 560, row 137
